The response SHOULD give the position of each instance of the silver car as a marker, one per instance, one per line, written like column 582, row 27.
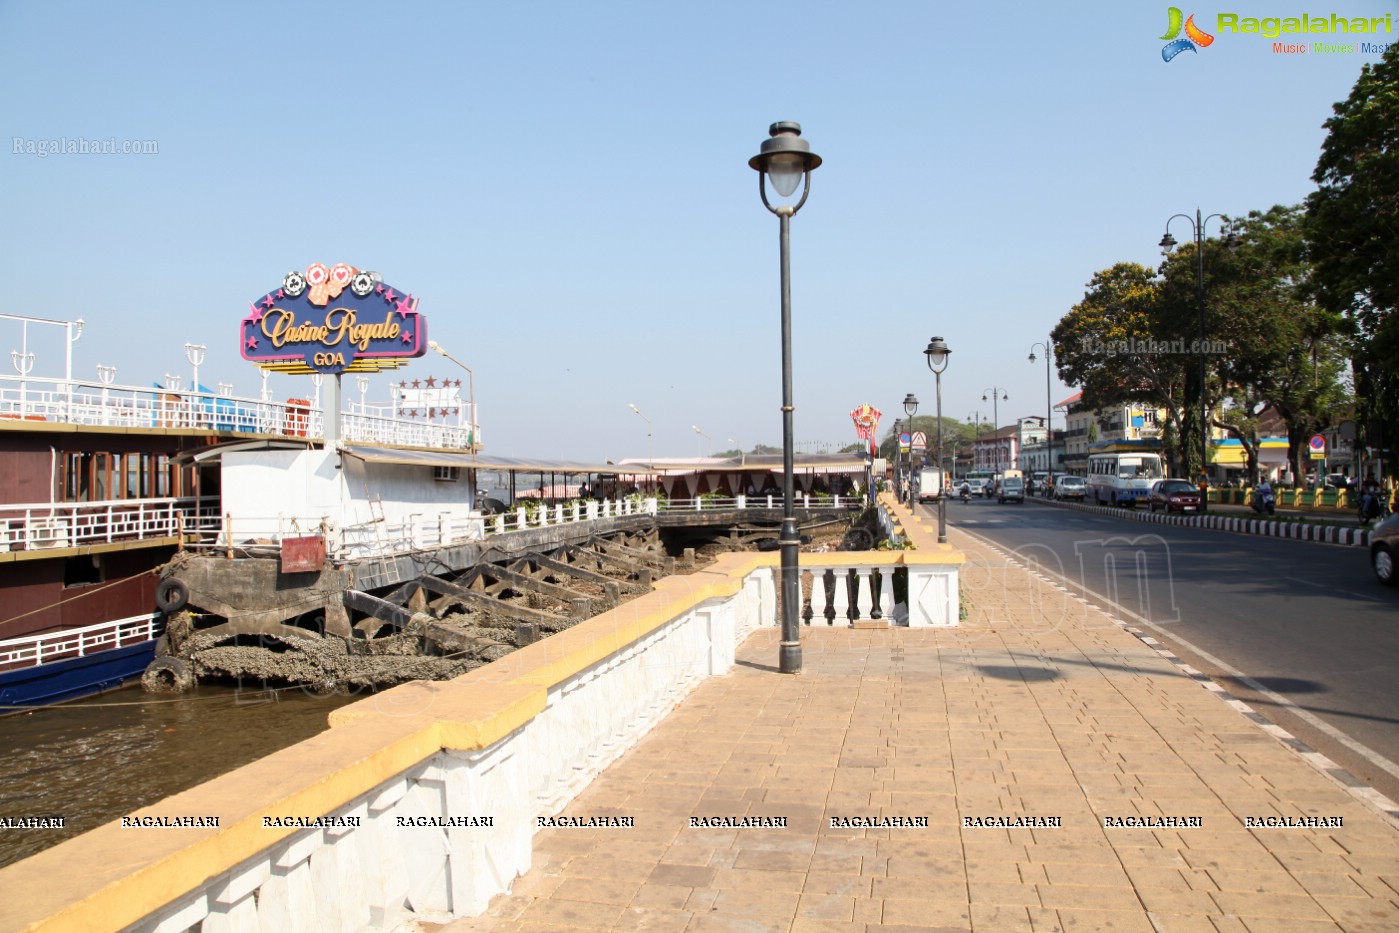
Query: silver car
column 1384, row 549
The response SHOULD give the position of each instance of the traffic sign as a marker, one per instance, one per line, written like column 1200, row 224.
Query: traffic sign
column 920, row 440
column 1318, row 447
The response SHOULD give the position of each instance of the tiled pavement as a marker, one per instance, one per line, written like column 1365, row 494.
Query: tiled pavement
column 1037, row 706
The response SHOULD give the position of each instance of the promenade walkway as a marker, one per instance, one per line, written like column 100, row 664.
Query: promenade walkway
column 1038, row 710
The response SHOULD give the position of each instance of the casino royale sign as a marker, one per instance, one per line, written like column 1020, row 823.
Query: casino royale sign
column 333, row 320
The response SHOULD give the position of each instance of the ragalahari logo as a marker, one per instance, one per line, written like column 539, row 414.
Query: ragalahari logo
column 1194, row 36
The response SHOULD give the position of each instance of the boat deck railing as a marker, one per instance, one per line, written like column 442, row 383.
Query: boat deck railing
column 33, row 650
column 95, row 405
column 33, row 526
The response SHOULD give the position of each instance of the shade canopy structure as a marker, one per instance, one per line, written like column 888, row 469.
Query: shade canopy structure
column 750, row 463
column 464, row 460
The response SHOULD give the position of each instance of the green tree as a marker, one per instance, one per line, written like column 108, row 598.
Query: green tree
column 1101, row 345
column 1283, row 348
column 1352, row 229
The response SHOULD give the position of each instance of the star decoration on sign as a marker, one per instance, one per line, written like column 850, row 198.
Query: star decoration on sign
column 407, row 336
column 252, row 343
column 269, row 301
column 406, row 305
column 389, row 296
column 257, row 312
column 431, row 382
column 416, row 384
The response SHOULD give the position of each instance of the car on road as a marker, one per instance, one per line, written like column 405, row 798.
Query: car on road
column 1174, row 495
column 1071, row 487
column 1384, row 549
column 1011, row 489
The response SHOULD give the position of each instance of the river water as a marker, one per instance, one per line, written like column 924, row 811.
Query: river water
column 95, row 760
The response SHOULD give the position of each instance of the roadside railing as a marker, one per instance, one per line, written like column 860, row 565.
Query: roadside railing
column 32, row 650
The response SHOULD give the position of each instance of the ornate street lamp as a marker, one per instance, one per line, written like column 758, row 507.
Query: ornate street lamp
column 997, row 396
column 1167, row 244
column 910, row 409
column 898, row 459
column 1048, row 348
column 937, row 354
column 785, row 159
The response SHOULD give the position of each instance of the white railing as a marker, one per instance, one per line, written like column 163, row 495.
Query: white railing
column 380, row 429
column 418, row 531
column 32, row 650
column 55, row 400
column 37, row 525
column 765, row 501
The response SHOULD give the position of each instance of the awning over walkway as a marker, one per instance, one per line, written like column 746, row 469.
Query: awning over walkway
column 754, row 463
column 464, row 460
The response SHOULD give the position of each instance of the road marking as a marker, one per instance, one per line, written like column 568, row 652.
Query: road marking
column 1364, row 751
column 1331, row 586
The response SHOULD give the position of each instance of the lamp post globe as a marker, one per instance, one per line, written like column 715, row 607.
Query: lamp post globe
column 937, row 354
column 785, row 160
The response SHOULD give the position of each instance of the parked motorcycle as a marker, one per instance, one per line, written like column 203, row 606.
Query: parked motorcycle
column 1264, row 502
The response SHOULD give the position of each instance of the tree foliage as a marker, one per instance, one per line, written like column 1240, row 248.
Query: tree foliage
column 1352, row 229
column 1285, row 350
column 1137, row 337
column 1103, row 345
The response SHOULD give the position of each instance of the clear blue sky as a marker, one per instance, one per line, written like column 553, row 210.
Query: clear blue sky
column 565, row 188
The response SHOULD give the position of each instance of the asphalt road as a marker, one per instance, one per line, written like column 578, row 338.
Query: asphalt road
column 1300, row 631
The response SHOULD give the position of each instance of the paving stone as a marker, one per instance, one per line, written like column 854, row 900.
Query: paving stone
column 921, row 723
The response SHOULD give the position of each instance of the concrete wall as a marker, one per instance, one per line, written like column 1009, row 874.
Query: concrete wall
column 512, row 741
column 401, row 491
column 270, row 493
column 261, row 486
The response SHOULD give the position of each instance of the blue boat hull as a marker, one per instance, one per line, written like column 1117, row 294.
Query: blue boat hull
column 73, row 678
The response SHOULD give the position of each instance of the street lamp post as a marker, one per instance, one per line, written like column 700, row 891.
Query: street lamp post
column 699, row 434
column 1048, row 348
column 910, row 409
column 786, row 159
column 1167, row 244
column 106, row 375
column 997, row 396
column 650, row 460
column 898, row 459
column 937, row 354
column 470, row 391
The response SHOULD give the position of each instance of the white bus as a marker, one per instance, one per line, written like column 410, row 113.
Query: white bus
column 1122, row 478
